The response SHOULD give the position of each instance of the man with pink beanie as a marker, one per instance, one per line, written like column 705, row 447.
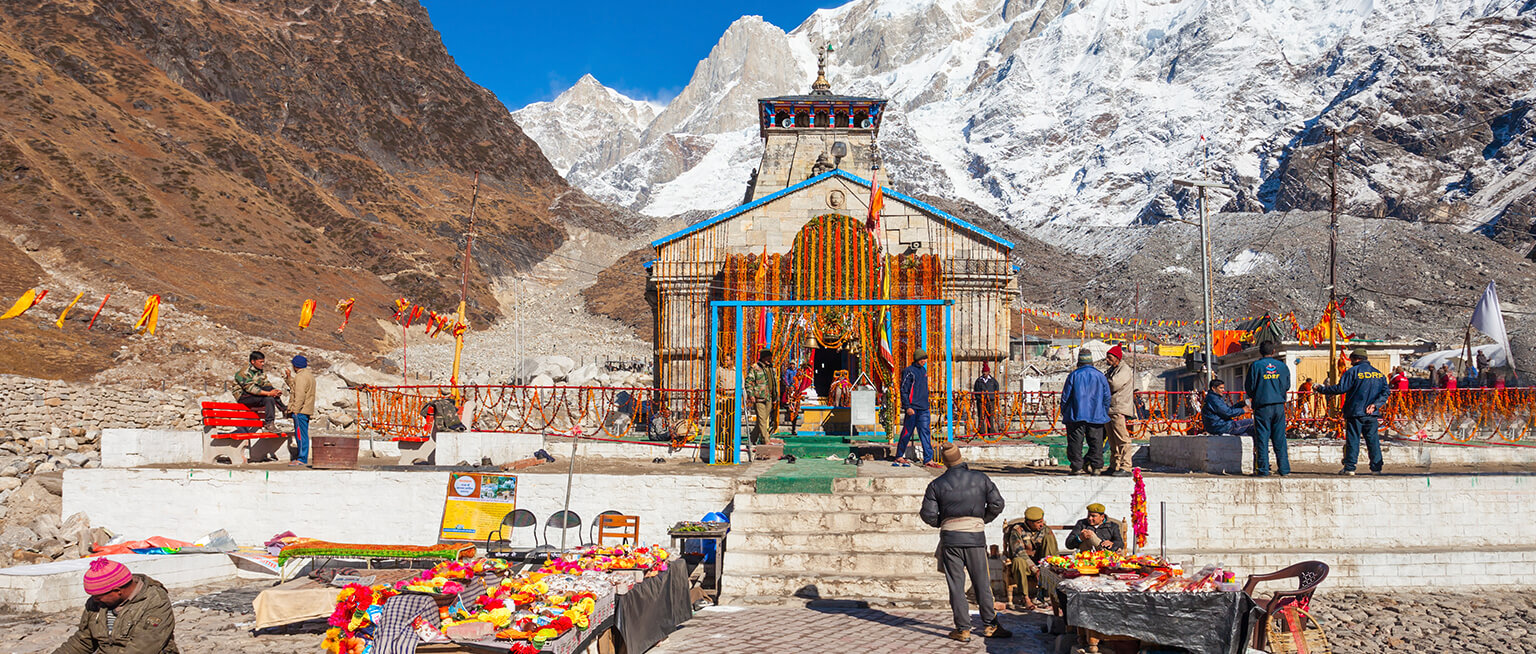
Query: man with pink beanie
column 126, row 614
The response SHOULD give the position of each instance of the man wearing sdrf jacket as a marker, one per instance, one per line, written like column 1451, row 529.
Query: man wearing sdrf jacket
column 1267, row 384
column 1365, row 391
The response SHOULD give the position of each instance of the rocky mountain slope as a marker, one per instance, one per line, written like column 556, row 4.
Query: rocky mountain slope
column 237, row 158
column 604, row 125
column 1073, row 113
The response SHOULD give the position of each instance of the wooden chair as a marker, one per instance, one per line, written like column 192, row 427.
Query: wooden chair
column 1308, row 575
column 625, row 528
column 596, row 522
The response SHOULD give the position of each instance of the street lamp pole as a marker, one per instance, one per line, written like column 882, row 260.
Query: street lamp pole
column 1209, row 365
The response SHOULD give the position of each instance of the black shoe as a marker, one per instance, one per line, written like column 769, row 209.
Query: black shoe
column 1118, row 473
column 1109, row 472
column 996, row 631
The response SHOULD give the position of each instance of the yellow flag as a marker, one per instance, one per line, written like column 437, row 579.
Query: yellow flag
column 26, row 301
column 306, row 312
column 151, row 315
column 60, row 322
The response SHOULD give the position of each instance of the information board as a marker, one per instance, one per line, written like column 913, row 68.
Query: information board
column 475, row 505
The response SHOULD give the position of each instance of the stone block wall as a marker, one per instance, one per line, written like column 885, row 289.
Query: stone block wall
column 41, row 405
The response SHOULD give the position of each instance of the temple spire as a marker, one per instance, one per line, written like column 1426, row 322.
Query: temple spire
column 821, row 86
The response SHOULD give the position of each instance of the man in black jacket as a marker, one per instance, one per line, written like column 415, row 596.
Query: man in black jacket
column 960, row 503
column 1095, row 532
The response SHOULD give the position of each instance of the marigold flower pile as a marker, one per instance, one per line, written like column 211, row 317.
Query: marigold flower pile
column 532, row 609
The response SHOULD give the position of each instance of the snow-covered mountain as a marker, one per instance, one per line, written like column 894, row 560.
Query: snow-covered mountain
column 1062, row 113
column 588, row 127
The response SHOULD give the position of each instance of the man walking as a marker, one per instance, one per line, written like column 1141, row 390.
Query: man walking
column 125, row 613
column 254, row 391
column 984, row 392
column 303, row 388
column 1085, row 400
column 1365, row 391
column 914, row 409
column 763, row 392
column 1122, row 406
column 1267, row 384
column 960, row 503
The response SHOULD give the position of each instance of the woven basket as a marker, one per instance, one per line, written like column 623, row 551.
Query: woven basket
column 1294, row 631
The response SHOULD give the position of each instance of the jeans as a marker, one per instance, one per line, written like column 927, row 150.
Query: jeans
column 1269, row 428
column 301, row 433
column 1077, row 432
column 958, row 561
column 918, row 422
column 1354, row 428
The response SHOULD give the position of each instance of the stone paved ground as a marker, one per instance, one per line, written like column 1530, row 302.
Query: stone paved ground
column 1496, row 622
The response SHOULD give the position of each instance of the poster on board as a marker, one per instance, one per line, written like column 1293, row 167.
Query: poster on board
column 475, row 504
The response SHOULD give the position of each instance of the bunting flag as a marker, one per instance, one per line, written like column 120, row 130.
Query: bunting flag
column 306, row 313
column 882, row 317
column 345, row 307
column 60, row 322
column 414, row 313
column 27, row 300
column 876, row 203
column 94, row 316
column 402, row 307
column 151, row 315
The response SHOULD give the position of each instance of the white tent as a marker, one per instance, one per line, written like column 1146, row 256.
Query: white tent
column 1493, row 351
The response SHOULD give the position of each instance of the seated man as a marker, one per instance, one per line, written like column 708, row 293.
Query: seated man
column 1026, row 543
column 125, row 613
column 443, row 412
column 254, row 391
column 1220, row 417
column 1095, row 532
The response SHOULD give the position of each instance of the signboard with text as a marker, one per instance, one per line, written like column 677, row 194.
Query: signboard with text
column 475, row 505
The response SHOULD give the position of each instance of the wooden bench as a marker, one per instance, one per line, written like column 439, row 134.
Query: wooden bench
column 232, row 414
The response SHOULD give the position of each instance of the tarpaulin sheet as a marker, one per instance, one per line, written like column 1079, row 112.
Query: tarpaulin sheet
column 1203, row 623
column 654, row 608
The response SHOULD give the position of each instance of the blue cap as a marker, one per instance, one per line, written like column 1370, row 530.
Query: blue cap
column 300, row 362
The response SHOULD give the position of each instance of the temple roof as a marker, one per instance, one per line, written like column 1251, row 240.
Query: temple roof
column 904, row 199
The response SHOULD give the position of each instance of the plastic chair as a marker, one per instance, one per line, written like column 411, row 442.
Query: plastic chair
column 1308, row 575
column 496, row 542
column 563, row 520
column 596, row 523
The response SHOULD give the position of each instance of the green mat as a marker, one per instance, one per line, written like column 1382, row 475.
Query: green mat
column 816, row 447
column 804, row 476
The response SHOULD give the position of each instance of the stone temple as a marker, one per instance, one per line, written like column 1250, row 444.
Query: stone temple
column 804, row 233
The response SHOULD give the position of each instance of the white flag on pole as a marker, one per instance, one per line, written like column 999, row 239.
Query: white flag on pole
column 1488, row 318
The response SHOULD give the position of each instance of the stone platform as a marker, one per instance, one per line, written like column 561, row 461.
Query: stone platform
column 1233, row 455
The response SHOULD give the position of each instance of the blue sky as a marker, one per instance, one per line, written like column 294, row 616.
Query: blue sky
column 529, row 51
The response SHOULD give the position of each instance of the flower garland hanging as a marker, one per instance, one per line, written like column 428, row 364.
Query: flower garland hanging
column 1139, row 509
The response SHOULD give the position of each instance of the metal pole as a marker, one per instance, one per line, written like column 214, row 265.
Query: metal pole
column 736, row 418
column 1333, row 256
column 1205, row 274
column 714, row 425
column 565, row 515
column 949, row 377
column 1162, row 530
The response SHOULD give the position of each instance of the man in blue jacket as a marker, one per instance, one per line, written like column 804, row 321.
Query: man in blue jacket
column 1365, row 391
column 1085, row 410
column 1267, row 384
column 1220, row 417
column 914, row 410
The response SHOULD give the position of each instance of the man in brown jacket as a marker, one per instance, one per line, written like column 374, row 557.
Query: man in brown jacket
column 126, row 614
column 301, row 389
column 1121, row 407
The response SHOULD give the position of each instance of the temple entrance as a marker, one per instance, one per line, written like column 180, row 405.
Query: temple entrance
column 828, row 362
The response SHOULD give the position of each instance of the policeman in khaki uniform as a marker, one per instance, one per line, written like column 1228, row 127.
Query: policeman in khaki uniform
column 1267, row 384
column 762, row 386
column 1365, row 391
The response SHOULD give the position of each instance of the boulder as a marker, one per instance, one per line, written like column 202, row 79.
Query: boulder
column 77, row 459
column 17, row 536
column 50, row 548
column 78, row 522
column 9, row 483
column 46, row 525
column 582, row 376
column 52, row 483
column 342, row 419
column 541, row 380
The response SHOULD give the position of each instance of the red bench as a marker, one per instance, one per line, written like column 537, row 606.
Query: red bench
column 231, row 414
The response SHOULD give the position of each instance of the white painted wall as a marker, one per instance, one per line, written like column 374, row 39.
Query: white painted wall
column 375, row 506
column 1234, row 454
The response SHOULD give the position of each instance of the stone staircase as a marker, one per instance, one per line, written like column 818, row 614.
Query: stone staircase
column 864, row 542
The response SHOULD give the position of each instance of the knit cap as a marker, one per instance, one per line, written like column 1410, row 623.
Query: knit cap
column 105, row 575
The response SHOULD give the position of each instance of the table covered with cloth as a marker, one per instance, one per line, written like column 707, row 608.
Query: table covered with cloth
column 654, row 608
column 1203, row 623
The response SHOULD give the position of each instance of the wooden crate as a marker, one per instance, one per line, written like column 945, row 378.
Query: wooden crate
column 333, row 452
